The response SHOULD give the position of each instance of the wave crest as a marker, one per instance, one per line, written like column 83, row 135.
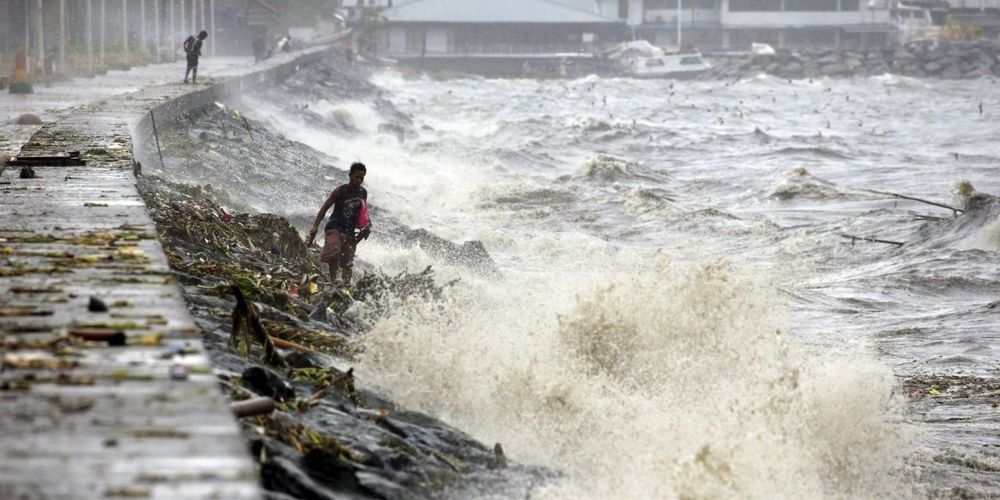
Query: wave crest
column 608, row 168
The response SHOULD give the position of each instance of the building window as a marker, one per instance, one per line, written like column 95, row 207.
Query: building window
column 811, row 5
column 754, row 5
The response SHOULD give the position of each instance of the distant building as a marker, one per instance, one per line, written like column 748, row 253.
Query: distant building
column 353, row 7
column 982, row 14
column 734, row 24
column 491, row 28
column 239, row 22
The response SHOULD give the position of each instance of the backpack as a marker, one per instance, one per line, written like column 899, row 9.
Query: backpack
column 189, row 44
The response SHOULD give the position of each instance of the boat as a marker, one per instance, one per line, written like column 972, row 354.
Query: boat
column 914, row 22
column 678, row 66
column 642, row 59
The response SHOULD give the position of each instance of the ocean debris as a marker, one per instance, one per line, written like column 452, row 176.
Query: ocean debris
column 96, row 305
column 24, row 311
column 28, row 173
column 854, row 238
column 247, row 326
column 178, row 371
column 252, row 407
column 267, row 383
column 343, row 383
column 955, row 210
column 284, row 344
column 113, row 337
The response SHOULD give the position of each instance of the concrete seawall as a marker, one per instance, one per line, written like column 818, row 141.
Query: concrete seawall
column 105, row 388
column 178, row 106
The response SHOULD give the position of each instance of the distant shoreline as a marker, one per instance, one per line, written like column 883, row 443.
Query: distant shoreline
column 950, row 62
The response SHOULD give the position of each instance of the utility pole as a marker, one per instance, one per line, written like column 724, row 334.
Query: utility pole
column 156, row 27
column 679, row 38
column 103, row 26
column 171, row 31
column 211, row 13
column 183, row 19
column 40, row 31
column 27, row 30
column 125, row 25
column 90, row 37
column 142, row 25
column 62, row 35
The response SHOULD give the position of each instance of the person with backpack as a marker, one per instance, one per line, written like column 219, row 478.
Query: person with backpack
column 192, row 47
column 350, row 213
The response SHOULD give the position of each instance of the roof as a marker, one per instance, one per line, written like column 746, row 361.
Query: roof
column 493, row 11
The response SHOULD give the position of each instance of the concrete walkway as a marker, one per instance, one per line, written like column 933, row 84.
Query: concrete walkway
column 105, row 388
column 54, row 102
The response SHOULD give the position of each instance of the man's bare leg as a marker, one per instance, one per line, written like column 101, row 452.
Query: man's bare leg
column 333, row 273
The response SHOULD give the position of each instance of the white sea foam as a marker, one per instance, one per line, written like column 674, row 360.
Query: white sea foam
column 667, row 380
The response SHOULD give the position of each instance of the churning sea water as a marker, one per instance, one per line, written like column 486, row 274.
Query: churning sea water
column 680, row 311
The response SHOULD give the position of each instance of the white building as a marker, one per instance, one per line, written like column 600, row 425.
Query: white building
column 734, row 24
column 441, row 27
column 704, row 24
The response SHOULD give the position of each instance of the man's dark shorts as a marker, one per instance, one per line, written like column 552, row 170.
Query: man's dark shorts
column 192, row 61
column 339, row 248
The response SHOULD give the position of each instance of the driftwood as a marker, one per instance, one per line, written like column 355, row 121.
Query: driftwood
column 285, row 344
column 854, row 238
column 255, row 406
column 955, row 210
column 928, row 217
column 246, row 325
column 344, row 382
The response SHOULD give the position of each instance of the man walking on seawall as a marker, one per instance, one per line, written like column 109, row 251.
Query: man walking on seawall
column 350, row 212
column 192, row 47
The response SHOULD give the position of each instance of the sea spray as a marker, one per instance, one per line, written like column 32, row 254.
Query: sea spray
column 672, row 380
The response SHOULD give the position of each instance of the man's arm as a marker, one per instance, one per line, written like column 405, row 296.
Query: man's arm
column 322, row 213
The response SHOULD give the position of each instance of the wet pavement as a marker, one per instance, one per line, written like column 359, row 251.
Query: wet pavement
column 105, row 386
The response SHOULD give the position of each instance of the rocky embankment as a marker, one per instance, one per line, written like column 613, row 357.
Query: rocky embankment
column 274, row 324
column 948, row 61
column 275, row 328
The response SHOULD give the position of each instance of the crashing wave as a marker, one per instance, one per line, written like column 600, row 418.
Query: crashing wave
column 646, row 202
column 799, row 183
column 607, row 167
